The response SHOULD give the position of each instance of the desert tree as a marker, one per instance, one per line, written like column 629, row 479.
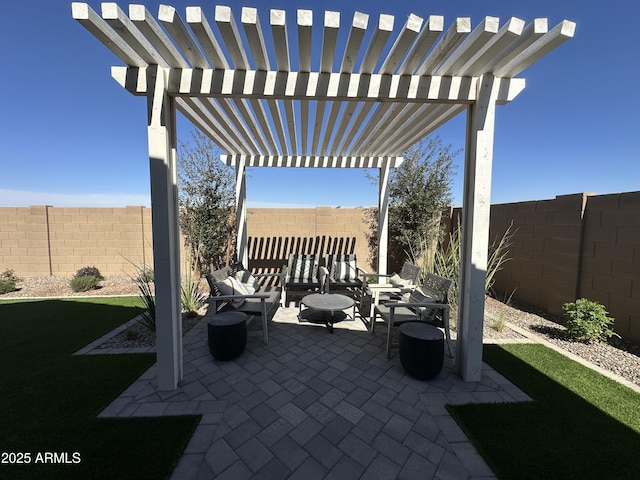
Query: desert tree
column 206, row 197
column 419, row 190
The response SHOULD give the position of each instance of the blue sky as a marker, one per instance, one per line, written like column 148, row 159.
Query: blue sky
column 71, row 136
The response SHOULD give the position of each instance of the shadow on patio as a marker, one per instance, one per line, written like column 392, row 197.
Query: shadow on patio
column 316, row 405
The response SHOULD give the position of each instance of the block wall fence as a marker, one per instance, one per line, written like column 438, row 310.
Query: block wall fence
column 45, row 240
column 573, row 246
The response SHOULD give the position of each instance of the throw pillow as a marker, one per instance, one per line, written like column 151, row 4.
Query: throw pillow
column 397, row 281
column 231, row 286
column 248, row 281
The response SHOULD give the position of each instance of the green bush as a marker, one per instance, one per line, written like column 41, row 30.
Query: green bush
column 8, row 280
column 587, row 321
column 89, row 272
column 7, row 286
column 84, row 283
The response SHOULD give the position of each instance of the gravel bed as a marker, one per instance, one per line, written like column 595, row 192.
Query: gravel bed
column 617, row 356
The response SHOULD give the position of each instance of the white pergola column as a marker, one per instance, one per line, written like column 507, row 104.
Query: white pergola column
column 475, row 228
column 165, row 225
column 383, row 217
column 241, row 212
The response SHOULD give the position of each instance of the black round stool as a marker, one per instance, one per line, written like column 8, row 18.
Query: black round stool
column 227, row 335
column 421, row 350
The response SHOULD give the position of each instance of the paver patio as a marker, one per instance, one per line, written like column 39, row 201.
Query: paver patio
column 316, row 405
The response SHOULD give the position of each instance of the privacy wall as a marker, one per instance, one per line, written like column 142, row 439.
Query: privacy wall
column 573, row 246
column 45, row 240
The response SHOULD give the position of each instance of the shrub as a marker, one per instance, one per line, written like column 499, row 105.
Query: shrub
column 84, row 283
column 8, row 280
column 87, row 278
column 193, row 299
column 7, row 286
column 446, row 262
column 144, row 281
column 89, row 272
column 145, row 275
column 587, row 321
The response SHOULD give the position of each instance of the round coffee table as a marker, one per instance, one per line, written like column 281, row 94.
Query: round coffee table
column 329, row 306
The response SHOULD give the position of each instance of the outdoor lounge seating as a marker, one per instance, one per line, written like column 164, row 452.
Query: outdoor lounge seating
column 427, row 303
column 263, row 301
column 302, row 273
column 343, row 273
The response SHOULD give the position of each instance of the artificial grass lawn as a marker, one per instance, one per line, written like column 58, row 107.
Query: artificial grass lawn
column 49, row 399
column 580, row 425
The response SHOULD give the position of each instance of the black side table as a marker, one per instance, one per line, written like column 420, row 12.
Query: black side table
column 421, row 350
column 227, row 332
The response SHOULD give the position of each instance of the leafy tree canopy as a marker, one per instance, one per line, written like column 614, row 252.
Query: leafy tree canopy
column 206, row 197
column 419, row 190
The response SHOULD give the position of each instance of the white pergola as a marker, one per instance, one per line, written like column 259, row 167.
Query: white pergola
column 268, row 101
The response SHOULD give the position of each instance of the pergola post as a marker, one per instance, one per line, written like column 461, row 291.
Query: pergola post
column 383, row 216
column 162, row 141
column 241, row 213
column 475, row 228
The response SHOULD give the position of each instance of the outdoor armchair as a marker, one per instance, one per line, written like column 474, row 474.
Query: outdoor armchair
column 236, row 289
column 427, row 303
column 343, row 273
column 302, row 273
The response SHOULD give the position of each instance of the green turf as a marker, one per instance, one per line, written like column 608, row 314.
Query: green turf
column 580, row 425
column 49, row 399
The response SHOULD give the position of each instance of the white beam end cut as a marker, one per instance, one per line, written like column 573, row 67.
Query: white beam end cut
column 509, row 89
column 360, row 20
column 119, row 74
column 222, row 14
column 435, row 23
column 110, row 10
column 385, row 22
column 414, row 23
column 79, row 11
column 277, row 17
column 305, row 18
column 332, row 19
column 166, row 13
column 463, row 25
column 195, row 15
column 249, row 15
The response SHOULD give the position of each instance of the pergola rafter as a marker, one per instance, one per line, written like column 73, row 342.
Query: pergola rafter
column 263, row 98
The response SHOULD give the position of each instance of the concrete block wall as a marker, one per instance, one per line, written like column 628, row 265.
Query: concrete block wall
column 610, row 270
column 45, row 240
column 545, row 254
column 574, row 246
column 274, row 233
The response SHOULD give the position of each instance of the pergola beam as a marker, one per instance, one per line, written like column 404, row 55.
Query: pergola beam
column 310, row 161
